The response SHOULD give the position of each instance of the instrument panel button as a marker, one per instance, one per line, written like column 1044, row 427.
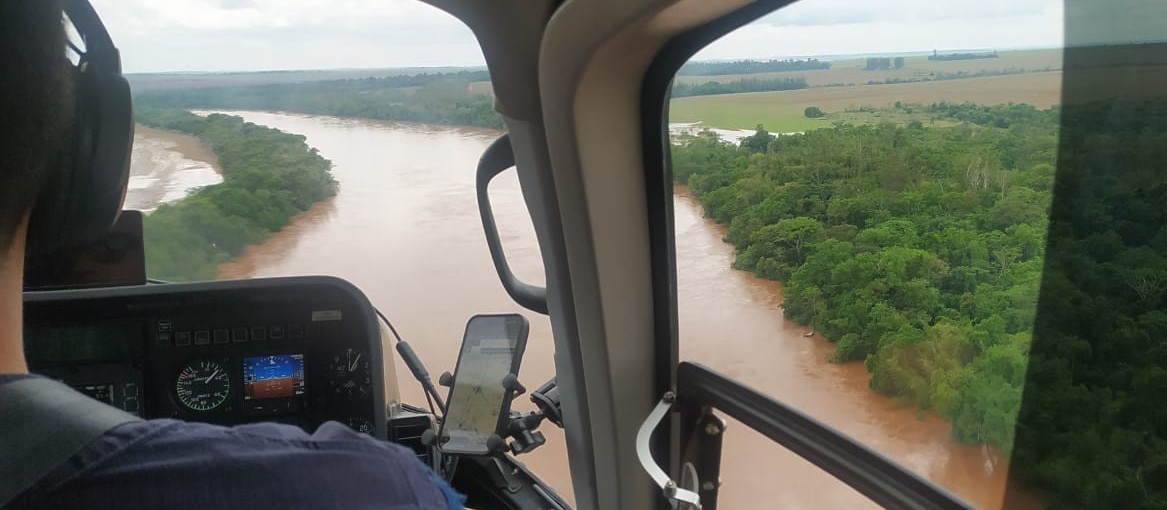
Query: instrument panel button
column 221, row 336
column 162, row 340
column 182, row 339
column 277, row 332
column 259, row 333
column 202, row 337
column 239, row 334
column 295, row 331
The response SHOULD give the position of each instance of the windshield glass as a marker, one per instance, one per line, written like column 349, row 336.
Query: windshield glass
column 278, row 139
column 862, row 210
column 861, row 204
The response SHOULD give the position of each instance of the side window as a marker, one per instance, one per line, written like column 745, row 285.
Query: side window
column 860, row 231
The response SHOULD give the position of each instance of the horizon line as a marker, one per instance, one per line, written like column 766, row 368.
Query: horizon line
column 835, row 56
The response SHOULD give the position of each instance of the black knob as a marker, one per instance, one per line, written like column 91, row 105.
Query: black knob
column 511, row 382
column 495, row 443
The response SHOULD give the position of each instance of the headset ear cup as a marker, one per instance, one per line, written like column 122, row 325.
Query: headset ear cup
column 83, row 195
column 52, row 210
column 113, row 140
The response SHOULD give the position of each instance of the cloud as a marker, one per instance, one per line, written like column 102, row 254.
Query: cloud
column 839, row 27
column 236, row 35
column 832, row 12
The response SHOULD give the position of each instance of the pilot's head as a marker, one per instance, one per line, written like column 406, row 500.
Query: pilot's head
column 34, row 110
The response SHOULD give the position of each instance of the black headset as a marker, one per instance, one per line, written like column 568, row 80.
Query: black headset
column 83, row 193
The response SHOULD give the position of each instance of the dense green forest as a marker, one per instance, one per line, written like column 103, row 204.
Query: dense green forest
column 750, row 67
column 444, row 98
column 709, row 88
column 268, row 177
column 1093, row 424
column 918, row 250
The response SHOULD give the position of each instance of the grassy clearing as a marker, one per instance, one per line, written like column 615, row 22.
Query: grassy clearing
column 783, row 111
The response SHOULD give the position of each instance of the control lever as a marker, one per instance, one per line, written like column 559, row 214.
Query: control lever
column 419, row 372
column 415, row 365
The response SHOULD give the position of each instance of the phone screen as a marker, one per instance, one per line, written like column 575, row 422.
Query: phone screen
column 491, row 349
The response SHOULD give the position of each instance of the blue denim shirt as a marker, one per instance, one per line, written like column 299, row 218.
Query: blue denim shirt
column 171, row 464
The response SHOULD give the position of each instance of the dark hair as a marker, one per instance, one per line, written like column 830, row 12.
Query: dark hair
column 35, row 104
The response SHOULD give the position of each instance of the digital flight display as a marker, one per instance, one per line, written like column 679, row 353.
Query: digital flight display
column 277, row 376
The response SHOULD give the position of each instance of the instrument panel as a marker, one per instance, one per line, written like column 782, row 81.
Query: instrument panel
column 300, row 351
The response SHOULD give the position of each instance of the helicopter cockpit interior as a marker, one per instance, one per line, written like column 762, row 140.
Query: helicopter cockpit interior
column 582, row 86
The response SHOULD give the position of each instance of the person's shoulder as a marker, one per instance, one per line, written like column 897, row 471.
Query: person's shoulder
column 264, row 438
column 176, row 464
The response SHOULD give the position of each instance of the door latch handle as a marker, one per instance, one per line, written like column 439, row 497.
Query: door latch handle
column 681, row 498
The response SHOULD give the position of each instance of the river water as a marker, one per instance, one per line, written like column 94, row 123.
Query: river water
column 405, row 229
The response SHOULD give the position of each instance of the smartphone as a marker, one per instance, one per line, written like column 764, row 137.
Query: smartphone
column 479, row 404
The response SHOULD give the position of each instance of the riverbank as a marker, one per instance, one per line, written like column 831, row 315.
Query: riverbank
column 732, row 321
column 165, row 166
column 269, row 176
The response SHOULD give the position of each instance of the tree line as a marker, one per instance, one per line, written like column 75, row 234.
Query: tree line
column 684, row 89
column 268, row 177
column 441, row 98
column 750, row 67
column 961, row 56
column 960, row 75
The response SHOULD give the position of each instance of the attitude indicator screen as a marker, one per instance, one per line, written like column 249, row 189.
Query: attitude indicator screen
column 278, row 376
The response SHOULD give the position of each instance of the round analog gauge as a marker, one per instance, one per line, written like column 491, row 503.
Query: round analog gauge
column 361, row 424
column 351, row 375
column 203, row 385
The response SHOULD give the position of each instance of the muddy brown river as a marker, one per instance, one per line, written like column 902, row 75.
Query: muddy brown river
column 405, row 229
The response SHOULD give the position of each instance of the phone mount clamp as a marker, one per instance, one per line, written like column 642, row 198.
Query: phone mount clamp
column 523, row 426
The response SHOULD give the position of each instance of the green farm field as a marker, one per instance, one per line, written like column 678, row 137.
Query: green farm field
column 782, row 111
column 851, row 72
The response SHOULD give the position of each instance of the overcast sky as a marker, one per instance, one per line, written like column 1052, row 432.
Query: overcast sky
column 242, row 35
